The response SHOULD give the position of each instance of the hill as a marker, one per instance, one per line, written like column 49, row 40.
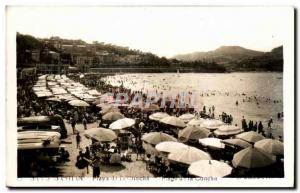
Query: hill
column 224, row 54
column 269, row 61
column 236, row 58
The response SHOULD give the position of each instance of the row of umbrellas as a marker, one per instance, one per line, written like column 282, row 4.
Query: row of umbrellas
column 256, row 151
column 219, row 128
column 193, row 132
column 257, row 156
column 202, row 165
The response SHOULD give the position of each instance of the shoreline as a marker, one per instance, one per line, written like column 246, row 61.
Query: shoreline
column 148, row 71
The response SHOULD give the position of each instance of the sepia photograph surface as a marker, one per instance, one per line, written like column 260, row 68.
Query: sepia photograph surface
column 150, row 96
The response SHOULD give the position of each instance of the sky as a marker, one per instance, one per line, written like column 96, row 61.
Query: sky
column 164, row 31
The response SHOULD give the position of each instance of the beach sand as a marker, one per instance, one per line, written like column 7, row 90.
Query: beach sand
column 136, row 168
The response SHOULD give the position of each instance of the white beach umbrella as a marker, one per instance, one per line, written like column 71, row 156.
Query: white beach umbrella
column 170, row 146
column 271, row 146
column 209, row 168
column 236, row 142
column 100, row 134
column 250, row 136
column 113, row 116
column 212, row 124
column 157, row 137
column 196, row 122
column 78, row 103
column 186, row 117
column 227, row 130
column 252, row 157
column 214, row 143
column 174, row 121
column 158, row 116
column 188, row 155
column 122, row 124
column 192, row 133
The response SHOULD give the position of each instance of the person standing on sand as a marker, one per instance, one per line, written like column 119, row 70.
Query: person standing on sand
column 244, row 124
column 78, row 140
column 260, row 127
column 87, row 155
column 84, row 122
column 73, row 123
column 255, row 127
column 96, row 163
column 81, row 163
column 269, row 123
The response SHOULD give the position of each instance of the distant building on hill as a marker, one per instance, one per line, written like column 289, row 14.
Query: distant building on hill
column 55, row 42
column 52, row 68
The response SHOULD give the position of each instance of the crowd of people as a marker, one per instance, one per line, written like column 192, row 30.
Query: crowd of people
column 31, row 105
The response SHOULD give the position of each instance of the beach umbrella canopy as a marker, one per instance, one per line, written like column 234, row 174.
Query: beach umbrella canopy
column 104, row 105
column 186, row 117
column 120, row 104
column 122, row 124
column 158, row 116
column 236, row 142
column 78, row 103
column 174, row 121
column 93, row 92
column 209, row 168
column 113, row 116
column 188, row 155
column 214, row 143
column 100, row 134
column 212, row 124
column 150, row 149
column 252, row 157
column 157, row 137
column 271, row 146
column 193, row 133
column 151, row 108
column 109, row 109
column 227, row 130
column 170, row 146
column 195, row 122
column 250, row 136
column 53, row 99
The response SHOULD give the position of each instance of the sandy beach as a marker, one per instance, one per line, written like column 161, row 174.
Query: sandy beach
column 136, row 168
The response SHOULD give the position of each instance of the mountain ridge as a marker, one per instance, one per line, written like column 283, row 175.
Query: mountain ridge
column 223, row 52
